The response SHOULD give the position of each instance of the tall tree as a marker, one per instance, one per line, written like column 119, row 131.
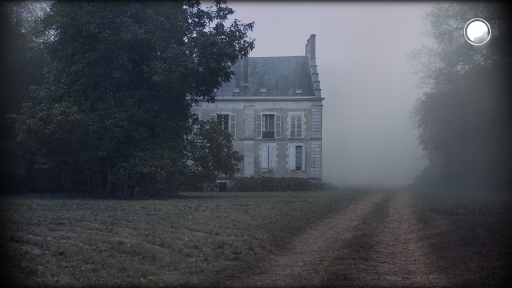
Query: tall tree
column 115, row 110
column 21, row 66
column 211, row 154
column 464, row 116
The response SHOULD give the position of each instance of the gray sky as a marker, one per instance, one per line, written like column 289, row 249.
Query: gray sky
column 368, row 85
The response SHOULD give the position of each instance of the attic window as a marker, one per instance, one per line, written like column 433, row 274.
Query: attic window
column 298, row 91
column 236, row 90
column 263, row 90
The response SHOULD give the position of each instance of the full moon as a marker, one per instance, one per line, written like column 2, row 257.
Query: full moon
column 477, row 29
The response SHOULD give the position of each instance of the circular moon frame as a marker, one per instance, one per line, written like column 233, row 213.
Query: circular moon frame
column 485, row 32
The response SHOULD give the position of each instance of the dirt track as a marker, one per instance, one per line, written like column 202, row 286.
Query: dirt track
column 321, row 255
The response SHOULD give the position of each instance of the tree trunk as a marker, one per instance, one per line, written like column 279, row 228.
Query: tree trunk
column 88, row 185
column 108, row 179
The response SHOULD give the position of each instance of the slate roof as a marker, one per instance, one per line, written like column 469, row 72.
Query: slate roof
column 281, row 76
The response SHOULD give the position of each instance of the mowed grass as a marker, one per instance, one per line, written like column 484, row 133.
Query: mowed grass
column 196, row 239
column 470, row 234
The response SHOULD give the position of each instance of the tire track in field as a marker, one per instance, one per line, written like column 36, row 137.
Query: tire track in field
column 399, row 258
column 403, row 259
column 302, row 263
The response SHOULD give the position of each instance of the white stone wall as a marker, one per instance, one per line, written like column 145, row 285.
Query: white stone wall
column 246, row 142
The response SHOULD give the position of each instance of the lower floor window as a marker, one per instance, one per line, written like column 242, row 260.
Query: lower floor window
column 296, row 160
column 268, row 157
column 298, row 157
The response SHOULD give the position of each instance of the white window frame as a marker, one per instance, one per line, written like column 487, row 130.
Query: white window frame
column 292, row 157
column 231, row 122
column 260, row 125
column 296, row 129
column 268, row 157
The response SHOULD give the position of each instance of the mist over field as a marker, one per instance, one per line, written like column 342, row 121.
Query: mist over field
column 112, row 179
column 368, row 85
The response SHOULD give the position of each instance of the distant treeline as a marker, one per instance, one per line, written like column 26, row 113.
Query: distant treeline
column 464, row 117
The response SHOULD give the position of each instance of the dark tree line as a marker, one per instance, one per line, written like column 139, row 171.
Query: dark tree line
column 464, row 117
column 109, row 109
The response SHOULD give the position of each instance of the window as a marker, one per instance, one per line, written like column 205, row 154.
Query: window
column 268, row 157
column 268, row 126
column 296, row 126
column 296, row 157
column 227, row 121
column 224, row 121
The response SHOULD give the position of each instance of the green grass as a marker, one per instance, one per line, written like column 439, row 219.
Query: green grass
column 469, row 232
column 197, row 239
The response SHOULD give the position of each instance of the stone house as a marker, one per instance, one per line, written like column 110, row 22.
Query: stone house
column 273, row 109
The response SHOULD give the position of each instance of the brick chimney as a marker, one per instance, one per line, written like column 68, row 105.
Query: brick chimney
column 246, row 70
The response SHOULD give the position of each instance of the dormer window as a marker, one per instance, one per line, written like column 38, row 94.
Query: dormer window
column 236, row 90
column 263, row 90
column 298, row 91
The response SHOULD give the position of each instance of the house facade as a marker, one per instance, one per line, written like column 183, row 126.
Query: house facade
column 273, row 109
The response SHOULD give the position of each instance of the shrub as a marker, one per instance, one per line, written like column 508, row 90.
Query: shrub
column 247, row 184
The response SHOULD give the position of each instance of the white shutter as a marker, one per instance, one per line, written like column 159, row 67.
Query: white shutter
column 291, row 157
column 303, row 158
column 278, row 126
column 271, row 157
column 293, row 126
column 264, row 158
column 299, row 126
column 258, row 126
column 232, row 124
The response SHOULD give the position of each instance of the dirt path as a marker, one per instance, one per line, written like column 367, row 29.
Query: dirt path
column 301, row 264
column 320, row 256
column 401, row 258
column 398, row 258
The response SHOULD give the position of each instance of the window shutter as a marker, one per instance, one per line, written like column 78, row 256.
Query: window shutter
column 299, row 126
column 293, row 126
column 303, row 158
column 232, row 124
column 271, row 157
column 291, row 157
column 264, row 158
column 278, row 126
column 258, row 126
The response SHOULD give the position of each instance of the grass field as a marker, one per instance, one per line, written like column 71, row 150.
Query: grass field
column 204, row 238
column 469, row 232
column 198, row 238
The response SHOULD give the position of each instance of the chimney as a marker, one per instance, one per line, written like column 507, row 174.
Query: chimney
column 246, row 70
column 311, row 47
column 311, row 54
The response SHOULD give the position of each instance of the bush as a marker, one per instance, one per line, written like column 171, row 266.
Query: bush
column 248, row 184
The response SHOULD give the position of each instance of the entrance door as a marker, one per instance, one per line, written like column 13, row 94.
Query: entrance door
column 223, row 186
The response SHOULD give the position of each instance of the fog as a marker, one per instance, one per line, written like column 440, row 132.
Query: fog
column 368, row 85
